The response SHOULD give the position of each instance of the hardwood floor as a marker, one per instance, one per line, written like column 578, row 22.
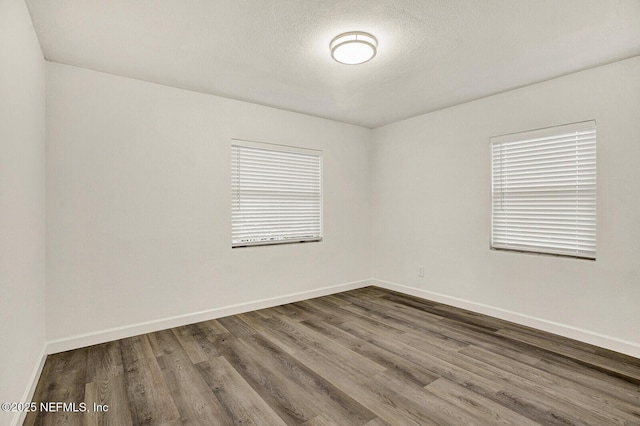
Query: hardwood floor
column 363, row 357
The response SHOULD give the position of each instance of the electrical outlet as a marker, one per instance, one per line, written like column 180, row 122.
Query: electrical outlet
column 421, row 271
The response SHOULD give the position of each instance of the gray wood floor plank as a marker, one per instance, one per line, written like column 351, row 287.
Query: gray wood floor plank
column 408, row 370
column 106, row 386
column 275, row 388
column 608, row 409
column 387, row 406
column 296, row 312
column 426, row 406
column 321, row 420
column 377, row 422
column 227, row 384
column 189, row 390
column 485, row 410
column 313, row 339
column 327, row 398
column 236, row 326
column 393, row 317
column 149, row 397
column 211, row 328
column 281, row 334
column 592, row 379
column 326, row 310
column 620, row 366
column 363, row 357
column 195, row 343
column 70, row 370
column 558, row 403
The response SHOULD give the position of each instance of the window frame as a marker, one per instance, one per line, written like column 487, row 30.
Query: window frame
column 285, row 149
column 586, row 183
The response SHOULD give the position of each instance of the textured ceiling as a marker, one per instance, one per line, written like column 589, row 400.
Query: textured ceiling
column 432, row 53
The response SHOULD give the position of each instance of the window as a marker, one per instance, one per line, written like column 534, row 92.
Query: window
column 276, row 194
column 544, row 191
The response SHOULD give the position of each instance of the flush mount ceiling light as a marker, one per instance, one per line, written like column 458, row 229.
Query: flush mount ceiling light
column 353, row 48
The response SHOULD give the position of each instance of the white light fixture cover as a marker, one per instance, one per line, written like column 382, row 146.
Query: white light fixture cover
column 355, row 47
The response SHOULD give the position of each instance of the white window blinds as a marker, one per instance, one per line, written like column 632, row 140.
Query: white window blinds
column 544, row 191
column 276, row 194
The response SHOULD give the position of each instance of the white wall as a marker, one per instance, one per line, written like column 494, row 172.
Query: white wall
column 22, row 204
column 138, row 206
column 431, row 207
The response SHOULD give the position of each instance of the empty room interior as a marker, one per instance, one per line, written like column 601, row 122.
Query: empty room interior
column 330, row 212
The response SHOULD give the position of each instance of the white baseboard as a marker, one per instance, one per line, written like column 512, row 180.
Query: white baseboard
column 19, row 417
column 88, row 339
column 586, row 336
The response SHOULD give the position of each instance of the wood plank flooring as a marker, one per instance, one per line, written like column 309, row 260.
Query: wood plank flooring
column 364, row 357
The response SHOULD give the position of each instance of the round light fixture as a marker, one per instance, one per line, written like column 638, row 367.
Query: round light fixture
column 353, row 48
